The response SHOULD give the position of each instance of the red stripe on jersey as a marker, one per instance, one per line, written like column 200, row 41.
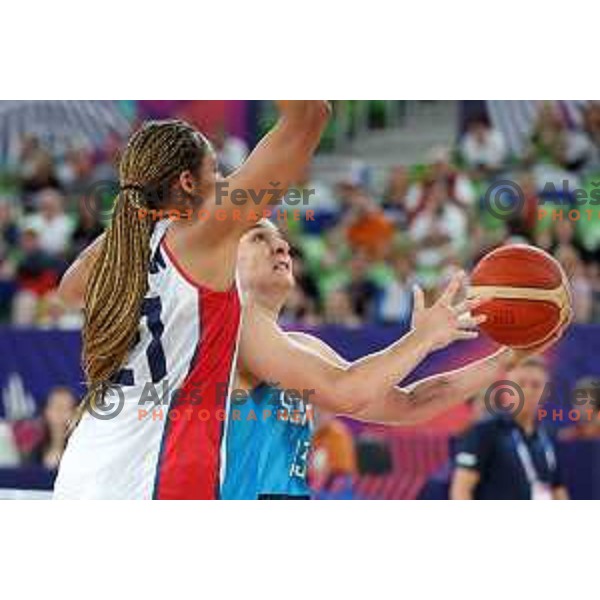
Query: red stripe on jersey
column 189, row 460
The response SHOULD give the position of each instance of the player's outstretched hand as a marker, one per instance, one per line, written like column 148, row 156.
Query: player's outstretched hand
column 447, row 320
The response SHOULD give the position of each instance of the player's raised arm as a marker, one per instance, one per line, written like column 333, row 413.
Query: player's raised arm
column 353, row 388
column 275, row 163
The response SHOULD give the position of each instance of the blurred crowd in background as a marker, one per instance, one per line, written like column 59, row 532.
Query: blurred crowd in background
column 369, row 237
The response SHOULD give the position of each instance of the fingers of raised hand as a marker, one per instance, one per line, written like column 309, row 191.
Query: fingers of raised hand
column 418, row 297
column 469, row 305
column 467, row 335
column 468, row 321
column 452, row 288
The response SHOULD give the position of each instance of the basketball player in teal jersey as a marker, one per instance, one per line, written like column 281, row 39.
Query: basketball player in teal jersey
column 269, row 431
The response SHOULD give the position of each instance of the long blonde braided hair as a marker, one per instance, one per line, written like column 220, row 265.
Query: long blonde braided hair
column 155, row 156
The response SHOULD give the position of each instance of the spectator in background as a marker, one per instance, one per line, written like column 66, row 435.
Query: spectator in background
column 593, row 275
column 52, row 224
column 483, row 148
column 394, row 197
column 299, row 308
column 563, row 238
column 36, row 275
column 396, row 296
column 552, row 142
column 438, row 230
column 107, row 160
column 585, row 400
column 58, row 413
column 88, row 227
column 362, row 292
column 591, row 119
column 35, row 169
column 524, row 222
column 9, row 450
column 75, row 171
column 339, row 309
column 511, row 456
column 437, row 215
column 9, row 239
column 457, row 186
column 312, row 194
column 304, row 279
column 333, row 462
column 367, row 228
column 9, row 232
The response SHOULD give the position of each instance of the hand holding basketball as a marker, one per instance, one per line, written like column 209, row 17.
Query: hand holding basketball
column 446, row 321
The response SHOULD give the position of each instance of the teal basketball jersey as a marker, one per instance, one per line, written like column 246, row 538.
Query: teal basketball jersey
column 267, row 444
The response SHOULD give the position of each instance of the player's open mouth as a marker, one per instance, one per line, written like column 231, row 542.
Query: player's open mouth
column 282, row 266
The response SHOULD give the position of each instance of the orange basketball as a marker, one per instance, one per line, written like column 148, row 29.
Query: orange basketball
column 528, row 292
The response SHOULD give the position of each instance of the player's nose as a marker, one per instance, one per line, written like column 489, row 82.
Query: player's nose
column 280, row 246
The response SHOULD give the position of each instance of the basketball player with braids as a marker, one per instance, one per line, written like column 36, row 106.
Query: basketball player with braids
column 161, row 305
column 162, row 309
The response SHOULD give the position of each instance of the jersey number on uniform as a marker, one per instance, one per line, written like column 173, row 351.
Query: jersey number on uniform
column 151, row 309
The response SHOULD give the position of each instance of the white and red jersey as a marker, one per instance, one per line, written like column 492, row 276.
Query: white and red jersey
column 167, row 439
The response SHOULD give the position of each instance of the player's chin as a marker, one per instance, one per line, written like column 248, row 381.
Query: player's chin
column 286, row 280
column 283, row 276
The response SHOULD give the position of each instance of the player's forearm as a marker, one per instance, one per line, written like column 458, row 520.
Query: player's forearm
column 376, row 376
column 304, row 110
column 440, row 392
column 277, row 161
column 429, row 397
column 475, row 376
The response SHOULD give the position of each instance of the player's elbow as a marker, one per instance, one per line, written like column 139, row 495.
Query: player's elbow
column 318, row 114
column 308, row 115
column 321, row 109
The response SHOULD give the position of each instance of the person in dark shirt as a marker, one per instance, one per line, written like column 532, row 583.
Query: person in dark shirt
column 361, row 289
column 36, row 271
column 89, row 227
column 510, row 456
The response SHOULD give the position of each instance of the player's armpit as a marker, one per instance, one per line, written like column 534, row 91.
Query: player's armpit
column 270, row 355
column 317, row 345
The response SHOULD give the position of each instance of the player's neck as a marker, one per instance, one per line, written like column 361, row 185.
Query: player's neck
column 268, row 304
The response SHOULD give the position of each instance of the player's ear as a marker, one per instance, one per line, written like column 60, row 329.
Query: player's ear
column 188, row 182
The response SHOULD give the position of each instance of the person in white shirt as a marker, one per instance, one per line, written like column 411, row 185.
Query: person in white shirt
column 482, row 147
column 52, row 225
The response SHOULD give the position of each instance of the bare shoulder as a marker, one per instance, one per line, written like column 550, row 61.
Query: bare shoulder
column 316, row 345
